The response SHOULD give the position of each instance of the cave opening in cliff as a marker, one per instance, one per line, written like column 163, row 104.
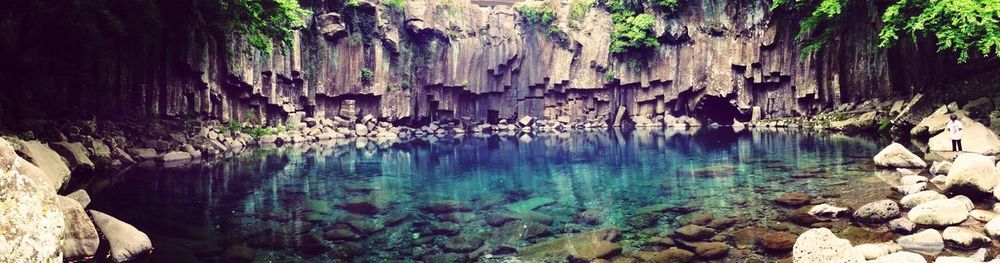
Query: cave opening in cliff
column 719, row 110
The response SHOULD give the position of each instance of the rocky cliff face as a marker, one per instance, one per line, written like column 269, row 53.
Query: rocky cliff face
column 454, row 59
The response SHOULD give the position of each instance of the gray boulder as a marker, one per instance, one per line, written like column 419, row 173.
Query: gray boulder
column 76, row 154
column 878, row 211
column 176, row 156
column 53, row 166
column 896, row 155
column 821, row 245
column 976, row 138
column 81, row 197
column 902, row 225
column 972, row 173
column 31, row 228
column 912, row 200
column 939, row 213
column 963, row 238
column 80, row 235
column 126, row 241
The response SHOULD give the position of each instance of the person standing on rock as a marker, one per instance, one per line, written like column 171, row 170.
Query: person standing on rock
column 955, row 129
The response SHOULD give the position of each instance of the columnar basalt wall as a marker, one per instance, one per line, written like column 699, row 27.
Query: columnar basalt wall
column 455, row 59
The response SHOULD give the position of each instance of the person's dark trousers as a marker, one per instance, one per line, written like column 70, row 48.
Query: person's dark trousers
column 956, row 145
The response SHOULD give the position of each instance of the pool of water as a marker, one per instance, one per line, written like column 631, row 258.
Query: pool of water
column 471, row 197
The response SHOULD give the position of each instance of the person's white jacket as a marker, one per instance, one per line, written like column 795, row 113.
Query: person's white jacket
column 955, row 129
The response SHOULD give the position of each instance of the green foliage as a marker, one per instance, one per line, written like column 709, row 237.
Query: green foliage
column 962, row 26
column 821, row 23
column 262, row 21
column 632, row 32
column 397, row 4
column 258, row 131
column 542, row 16
column 405, row 84
column 609, row 76
column 668, row 5
column 352, row 3
column 958, row 25
column 884, row 126
column 578, row 10
column 367, row 75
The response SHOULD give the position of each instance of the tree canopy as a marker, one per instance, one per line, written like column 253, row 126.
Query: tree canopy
column 962, row 26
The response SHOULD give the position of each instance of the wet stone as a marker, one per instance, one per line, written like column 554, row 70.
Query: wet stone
column 694, row 233
column 446, row 206
column 463, row 243
column 711, row 250
column 794, row 199
column 776, row 242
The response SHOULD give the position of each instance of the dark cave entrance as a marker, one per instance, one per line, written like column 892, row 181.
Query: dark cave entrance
column 492, row 116
column 719, row 110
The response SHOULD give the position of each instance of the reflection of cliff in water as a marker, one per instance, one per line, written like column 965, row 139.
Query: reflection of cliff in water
column 377, row 195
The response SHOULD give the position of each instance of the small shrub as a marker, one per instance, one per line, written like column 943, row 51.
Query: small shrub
column 405, row 84
column 609, row 76
column 578, row 10
column 367, row 75
column 353, row 3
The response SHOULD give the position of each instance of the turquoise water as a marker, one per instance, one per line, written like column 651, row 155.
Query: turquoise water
column 372, row 201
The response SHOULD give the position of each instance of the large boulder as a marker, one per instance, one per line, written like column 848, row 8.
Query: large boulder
column 964, row 238
column 31, row 225
column 900, row 257
column 972, row 173
column 75, row 153
column 39, row 154
column 939, row 213
column 925, row 242
column 820, row 245
column 876, row 250
column 912, row 200
column 867, row 121
column 125, row 240
column 896, row 155
column 993, row 227
column 878, row 211
column 936, row 123
column 81, row 238
column 976, row 138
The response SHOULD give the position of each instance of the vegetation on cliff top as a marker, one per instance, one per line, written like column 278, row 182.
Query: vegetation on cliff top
column 961, row 26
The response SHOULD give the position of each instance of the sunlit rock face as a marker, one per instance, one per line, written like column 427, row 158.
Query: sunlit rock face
column 454, row 59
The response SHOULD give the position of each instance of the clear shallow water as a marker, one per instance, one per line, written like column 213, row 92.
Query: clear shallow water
column 351, row 201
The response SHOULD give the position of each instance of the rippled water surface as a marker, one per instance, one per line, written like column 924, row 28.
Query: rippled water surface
column 470, row 197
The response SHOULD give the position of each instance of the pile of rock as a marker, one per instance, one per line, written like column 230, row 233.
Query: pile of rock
column 40, row 226
column 928, row 220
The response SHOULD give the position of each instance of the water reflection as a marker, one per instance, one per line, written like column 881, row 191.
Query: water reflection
column 461, row 198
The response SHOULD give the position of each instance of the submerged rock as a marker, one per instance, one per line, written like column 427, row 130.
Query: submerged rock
column 463, row 243
column 446, row 206
column 583, row 247
column 928, row 242
column 126, row 241
column 710, row 250
column 776, row 242
column 794, row 199
column 530, row 204
column 896, row 155
column 694, row 233
column 31, row 225
column 820, row 245
column 670, row 255
column 878, row 211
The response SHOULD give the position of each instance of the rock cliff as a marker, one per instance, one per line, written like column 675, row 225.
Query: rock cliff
column 452, row 59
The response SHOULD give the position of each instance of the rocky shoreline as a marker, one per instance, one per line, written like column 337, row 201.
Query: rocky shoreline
column 77, row 152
